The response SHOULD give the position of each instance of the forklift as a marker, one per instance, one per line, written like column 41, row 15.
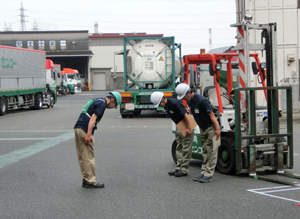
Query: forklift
column 251, row 140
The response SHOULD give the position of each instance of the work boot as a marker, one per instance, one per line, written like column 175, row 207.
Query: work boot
column 84, row 182
column 94, row 185
column 172, row 173
column 197, row 178
column 205, row 179
column 180, row 174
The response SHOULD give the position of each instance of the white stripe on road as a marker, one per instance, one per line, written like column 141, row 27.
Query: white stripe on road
column 15, row 156
column 22, row 139
column 265, row 191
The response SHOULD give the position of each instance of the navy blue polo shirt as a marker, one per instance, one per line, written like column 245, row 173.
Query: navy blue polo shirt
column 200, row 108
column 95, row 106
column 175, row 110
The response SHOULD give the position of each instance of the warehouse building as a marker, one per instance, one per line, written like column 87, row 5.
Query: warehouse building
column 98, row 57
column 68, row 48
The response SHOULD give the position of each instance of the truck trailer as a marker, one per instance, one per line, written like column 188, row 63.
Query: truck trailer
column 23, row 81
column 150, row 64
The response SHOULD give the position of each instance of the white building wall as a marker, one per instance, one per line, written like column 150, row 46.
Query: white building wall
column 287, row 16
column 104, row 57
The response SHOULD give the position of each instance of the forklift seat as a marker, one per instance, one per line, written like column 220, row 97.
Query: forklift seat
column 210, row 93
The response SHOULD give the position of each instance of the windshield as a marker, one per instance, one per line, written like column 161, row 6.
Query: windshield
column 77, row 77
column 73, row 76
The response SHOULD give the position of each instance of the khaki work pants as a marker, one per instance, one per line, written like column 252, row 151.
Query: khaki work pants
column 183, row 150
column 86, row 156
column 209, row 156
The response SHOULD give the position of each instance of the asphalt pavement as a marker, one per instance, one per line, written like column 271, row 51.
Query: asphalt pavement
column 40, row 175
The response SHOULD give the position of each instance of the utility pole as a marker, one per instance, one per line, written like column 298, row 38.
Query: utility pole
column 5, row 27
column 35, row 26
column 22, row 18
column 210, row 39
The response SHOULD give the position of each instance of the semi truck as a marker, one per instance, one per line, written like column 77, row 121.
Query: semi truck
column 73, row 80
column 150, row 64
column 60, row 81
column 24, row 81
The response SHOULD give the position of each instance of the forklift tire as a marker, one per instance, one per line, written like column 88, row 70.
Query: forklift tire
column 38, row 101
column 226, row 156
column 3, row 106
column 173, row 151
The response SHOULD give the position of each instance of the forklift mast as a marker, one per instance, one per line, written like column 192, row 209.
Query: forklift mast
column 268, row 46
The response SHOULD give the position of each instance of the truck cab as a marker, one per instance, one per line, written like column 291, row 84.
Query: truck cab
column 50, row 79
column 73, row 80
column 60, row 80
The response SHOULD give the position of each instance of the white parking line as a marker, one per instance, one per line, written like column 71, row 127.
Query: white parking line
column 265, row 191
column 17, row 155
column 22, row 139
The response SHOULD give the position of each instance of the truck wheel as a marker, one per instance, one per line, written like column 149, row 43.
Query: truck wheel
column 64, row 91
column 3, row 106
column 38, row 101
column 173, row 151
column 226, row 156
column 51, row 101
column 68, row 90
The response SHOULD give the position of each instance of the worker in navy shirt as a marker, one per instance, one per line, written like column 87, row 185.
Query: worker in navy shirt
column 84, row 139
column 209, row 127
column 177, row 113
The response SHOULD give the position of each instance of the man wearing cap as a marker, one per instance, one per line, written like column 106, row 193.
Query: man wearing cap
column 84, row 139
column 177, row 113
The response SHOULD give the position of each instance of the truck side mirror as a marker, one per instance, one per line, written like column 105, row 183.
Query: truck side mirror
column 254, row 68
column 58, row 75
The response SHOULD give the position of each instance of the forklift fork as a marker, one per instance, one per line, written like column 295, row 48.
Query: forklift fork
column 250, row 135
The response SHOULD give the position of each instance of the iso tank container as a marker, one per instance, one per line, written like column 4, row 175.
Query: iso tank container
column 21, row 70
column 150, row 64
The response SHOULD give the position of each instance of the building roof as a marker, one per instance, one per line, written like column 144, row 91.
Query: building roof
column 48, row 31
column 121, row 35
column 220, row 50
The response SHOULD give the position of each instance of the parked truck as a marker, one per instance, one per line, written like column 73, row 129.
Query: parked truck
column 23, row 80
column 73, row 80
column 50, row 82
column 151, row 64
column 60, row 81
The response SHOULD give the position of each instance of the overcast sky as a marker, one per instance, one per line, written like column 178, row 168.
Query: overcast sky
column 188, row 20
